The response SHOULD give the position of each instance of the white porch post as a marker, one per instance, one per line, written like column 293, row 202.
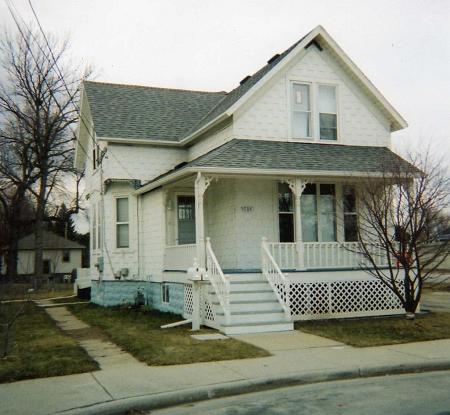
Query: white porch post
column 297, row 186
column 201, row 184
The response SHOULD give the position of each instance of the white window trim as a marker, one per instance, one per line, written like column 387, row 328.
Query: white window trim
column 123, row 248
column 175, row 213
column 311, row 109
column 163, row 296
column 277, row 211
column 318, row 197
column 355, row 213
column 315, row 121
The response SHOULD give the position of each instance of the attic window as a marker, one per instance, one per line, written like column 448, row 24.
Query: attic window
column 301, row 111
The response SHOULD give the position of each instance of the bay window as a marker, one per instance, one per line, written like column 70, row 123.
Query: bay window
column 318, row 213
column 285, row 213
column 122, row 223
column 350, row 214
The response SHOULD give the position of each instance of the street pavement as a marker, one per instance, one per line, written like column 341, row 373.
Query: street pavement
column 421, row 394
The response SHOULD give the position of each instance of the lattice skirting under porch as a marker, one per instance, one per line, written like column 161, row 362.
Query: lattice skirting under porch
column 341, row 298
column 206, row 311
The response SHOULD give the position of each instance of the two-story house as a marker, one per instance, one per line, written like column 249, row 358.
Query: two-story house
column 258, row 187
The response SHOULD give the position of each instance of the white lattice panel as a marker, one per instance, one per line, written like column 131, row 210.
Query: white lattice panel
column 337, row 299
column 206, row 310
column 188, row 300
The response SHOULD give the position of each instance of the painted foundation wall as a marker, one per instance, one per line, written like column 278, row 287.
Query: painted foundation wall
column 114, row 293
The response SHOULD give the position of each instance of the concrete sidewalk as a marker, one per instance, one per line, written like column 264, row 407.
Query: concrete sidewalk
column 297, row 358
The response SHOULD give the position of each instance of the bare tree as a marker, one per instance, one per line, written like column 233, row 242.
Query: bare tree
column 38, row 111
column 401, row 216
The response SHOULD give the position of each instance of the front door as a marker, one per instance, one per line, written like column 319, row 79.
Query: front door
column 186, row 219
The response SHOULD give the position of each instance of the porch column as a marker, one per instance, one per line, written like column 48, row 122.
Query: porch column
column 201, row 184
column 297, row 186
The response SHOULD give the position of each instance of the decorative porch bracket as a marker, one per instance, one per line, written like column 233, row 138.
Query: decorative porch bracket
column 201, row 184
column 297, row 186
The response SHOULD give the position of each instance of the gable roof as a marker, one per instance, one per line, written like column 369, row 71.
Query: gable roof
column 138, row 112
column 282, row 157
column 50, row 241
column 160, row 114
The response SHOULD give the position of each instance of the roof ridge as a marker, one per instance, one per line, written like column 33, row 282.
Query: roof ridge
column 154, row 87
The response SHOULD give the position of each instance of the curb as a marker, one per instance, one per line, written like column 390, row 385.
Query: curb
column 168, row 399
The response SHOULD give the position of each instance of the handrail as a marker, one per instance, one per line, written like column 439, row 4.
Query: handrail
column 219, row 281
column 277, row 280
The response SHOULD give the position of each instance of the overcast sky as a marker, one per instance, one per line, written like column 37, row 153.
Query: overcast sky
column 403, row 46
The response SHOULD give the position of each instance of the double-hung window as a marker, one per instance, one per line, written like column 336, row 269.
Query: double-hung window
column 122, row 222
column 301, row 110
column 318, row 209
column 350, row 214
column 327, row 112
column 285, row 213
column 314, row 111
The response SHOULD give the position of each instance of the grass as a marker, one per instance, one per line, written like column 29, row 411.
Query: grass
column 40, row 348
column 381, row 331
column 19, row 291
column 139, row 332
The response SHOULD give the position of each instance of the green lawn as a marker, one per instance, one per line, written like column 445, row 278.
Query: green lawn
column 139, row 332
column 19, row 291
column 40, row 348
column 381, row 331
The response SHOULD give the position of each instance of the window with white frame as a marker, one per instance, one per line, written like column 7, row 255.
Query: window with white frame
column 165, row 293
column 301, row 110
column 122, row 223
column 66, row 255
column 327, row 109
column 285, row 213
column 350, row 214
column 318, row 213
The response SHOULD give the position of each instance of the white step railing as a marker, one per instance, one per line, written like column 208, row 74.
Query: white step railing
column 179, row 257
column 219, row 281
column 315, row 255
column 277, row 280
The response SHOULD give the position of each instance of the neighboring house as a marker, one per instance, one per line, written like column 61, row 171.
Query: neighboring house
column 60, row 255
column 280, row 156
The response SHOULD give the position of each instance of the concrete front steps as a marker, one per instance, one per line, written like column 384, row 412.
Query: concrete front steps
column 254, row 307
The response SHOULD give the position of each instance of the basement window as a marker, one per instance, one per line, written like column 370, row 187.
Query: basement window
column 165, row 293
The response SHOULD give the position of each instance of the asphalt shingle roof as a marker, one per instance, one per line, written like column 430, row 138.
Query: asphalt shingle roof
column 138, row 112
column 50, row 241
column 282, row 155
column 129, row 111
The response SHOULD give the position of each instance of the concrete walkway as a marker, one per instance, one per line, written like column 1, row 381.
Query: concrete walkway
column 297, row 358
column 106, row 354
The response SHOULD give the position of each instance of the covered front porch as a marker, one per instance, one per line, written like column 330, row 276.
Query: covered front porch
column 305, row 223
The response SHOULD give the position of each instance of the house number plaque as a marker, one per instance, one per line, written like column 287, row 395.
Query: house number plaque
column 247, row 208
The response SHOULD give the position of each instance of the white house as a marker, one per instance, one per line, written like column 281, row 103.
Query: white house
column 174, row 175
column 60, row 255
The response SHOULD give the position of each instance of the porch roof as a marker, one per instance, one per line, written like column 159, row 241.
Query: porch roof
column 281, row 157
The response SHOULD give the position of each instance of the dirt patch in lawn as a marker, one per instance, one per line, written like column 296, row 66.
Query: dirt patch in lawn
column 138, row 332
column 40, row 348
column 368, row 332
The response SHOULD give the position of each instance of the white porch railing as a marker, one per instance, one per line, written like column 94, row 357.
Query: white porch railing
column 314, row 255
column 179, row 257
column 276, row 279
column 219, row 281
